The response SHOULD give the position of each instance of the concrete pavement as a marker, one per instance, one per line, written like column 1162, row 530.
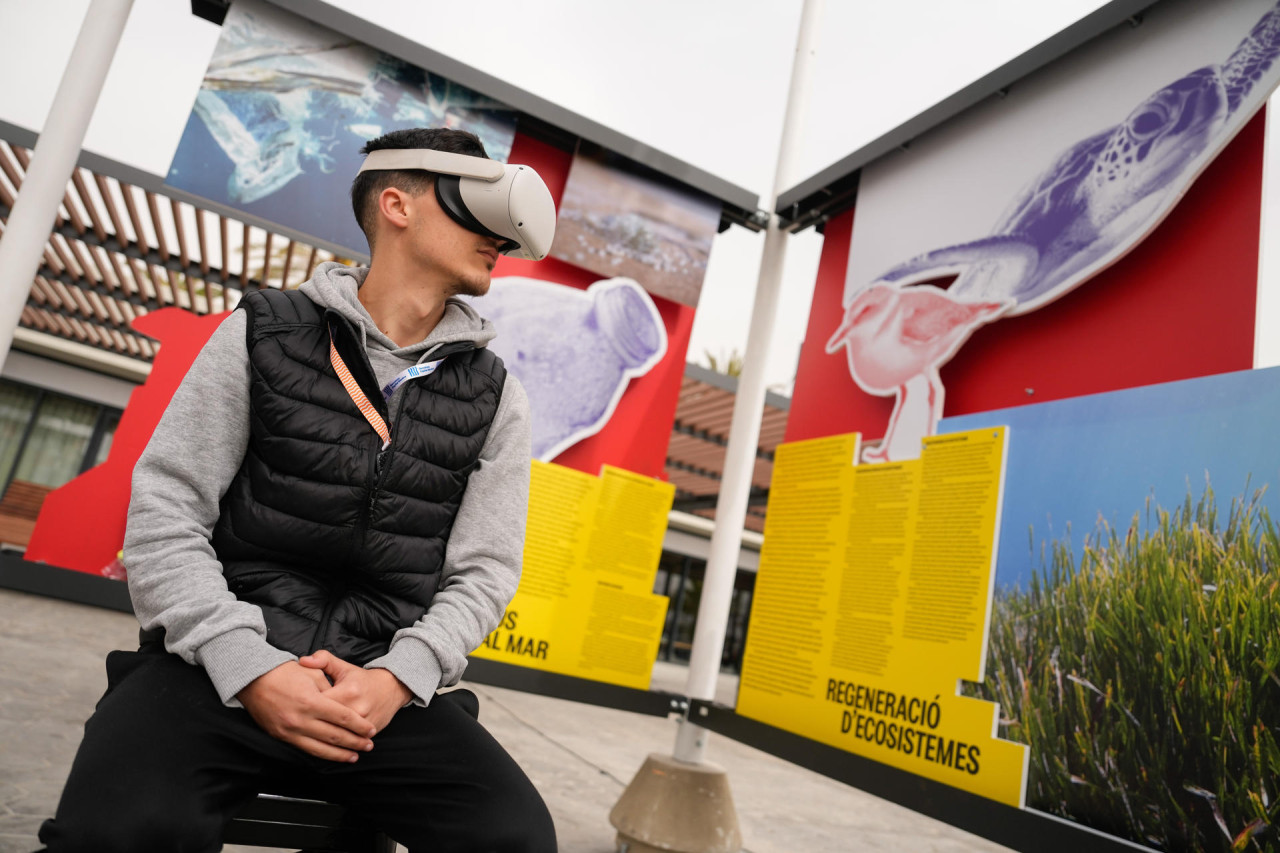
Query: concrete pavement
column 579, row 756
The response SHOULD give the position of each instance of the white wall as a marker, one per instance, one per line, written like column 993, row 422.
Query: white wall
column 1266, row 345
column 66, row 379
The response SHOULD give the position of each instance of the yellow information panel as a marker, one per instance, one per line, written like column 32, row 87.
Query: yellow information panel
column 586, row 606
column 872, row 604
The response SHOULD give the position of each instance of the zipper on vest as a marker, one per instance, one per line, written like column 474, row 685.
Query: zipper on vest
column 383, row 451
column 363, row 364
column 379, row 469
column 375, row 481
column 366, row 512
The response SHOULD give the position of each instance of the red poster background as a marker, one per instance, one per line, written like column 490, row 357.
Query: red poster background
column 81, row 525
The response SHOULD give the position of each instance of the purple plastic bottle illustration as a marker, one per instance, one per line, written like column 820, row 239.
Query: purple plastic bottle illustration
column 1094, row 203
column 574, row 351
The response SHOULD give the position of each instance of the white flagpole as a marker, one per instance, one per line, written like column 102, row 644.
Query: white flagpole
column 748, row 408
column 36, row 207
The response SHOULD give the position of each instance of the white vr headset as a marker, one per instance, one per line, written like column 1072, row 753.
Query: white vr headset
column 508, row 203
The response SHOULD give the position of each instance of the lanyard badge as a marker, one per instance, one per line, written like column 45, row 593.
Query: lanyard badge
column 370, row 412
column 409, row 373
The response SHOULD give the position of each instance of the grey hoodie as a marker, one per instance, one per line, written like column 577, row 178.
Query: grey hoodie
column 175, row 578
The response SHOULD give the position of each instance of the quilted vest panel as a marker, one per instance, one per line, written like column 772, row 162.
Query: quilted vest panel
column 339, row 542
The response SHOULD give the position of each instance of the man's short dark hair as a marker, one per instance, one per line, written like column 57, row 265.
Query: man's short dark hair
column 367, row 186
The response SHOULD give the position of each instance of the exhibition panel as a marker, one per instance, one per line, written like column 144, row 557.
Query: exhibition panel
column 1084, row 630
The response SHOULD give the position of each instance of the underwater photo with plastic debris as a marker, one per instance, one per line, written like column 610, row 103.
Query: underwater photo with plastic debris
column 617, row 220
column 286, row 105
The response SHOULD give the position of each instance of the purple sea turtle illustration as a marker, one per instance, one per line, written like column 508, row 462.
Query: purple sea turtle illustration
column 1095, row 202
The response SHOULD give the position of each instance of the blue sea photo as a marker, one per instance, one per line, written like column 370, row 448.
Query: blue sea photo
column 1073, row 463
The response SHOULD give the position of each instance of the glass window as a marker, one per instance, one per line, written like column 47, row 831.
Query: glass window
column 17, row 402
column 687, row 617
column 54, row 453
column 110, row 421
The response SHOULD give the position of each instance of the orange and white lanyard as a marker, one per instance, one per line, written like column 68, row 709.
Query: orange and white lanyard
column 370, row 412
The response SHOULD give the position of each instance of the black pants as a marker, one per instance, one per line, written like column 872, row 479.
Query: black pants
column 164, row 765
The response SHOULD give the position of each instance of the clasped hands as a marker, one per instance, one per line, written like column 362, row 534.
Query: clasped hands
column 325, row 706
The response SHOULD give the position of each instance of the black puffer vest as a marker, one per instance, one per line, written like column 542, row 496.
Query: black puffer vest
column 340, row 543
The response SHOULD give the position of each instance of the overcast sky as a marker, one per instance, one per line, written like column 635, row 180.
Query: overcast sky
column 703, row 81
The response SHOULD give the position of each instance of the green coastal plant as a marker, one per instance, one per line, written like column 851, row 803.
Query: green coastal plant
column 1145, row 676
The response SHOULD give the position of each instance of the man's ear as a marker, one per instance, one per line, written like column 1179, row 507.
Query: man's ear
column 393, row 207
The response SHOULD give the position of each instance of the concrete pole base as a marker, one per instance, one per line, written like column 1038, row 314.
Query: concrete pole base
column 673, row 807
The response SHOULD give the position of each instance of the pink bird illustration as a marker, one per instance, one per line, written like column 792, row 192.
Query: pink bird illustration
column 897, row 338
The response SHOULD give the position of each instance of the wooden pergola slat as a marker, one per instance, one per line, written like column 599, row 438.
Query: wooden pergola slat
column 266, row 262
column 89, row 331
column 126, row 284
column 42, row 290
column 180, row 229
column 112, row 211
column 142, row 279
column 131, row 207
column 311, row 263
column 97, row 307
column 51, row 260
column 202, row 241
column 86, row 201
column 81, row 302
column 68, row 328
column 98, row 253
column 160, row 281
column 244, row 257
column 10, row 170
column 77, row 221
column 172, row 278
column 64, row 258
column 162, row 243
column 288, row 262
column 31, row 317
column 113, row 308
column 88, row 263
column 51, row 275
column 147, row 253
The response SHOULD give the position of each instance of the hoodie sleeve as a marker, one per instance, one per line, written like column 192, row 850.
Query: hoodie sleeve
column 175, row 580
column 482, row 560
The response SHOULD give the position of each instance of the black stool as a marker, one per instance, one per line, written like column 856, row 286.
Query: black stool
column 315, row 826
